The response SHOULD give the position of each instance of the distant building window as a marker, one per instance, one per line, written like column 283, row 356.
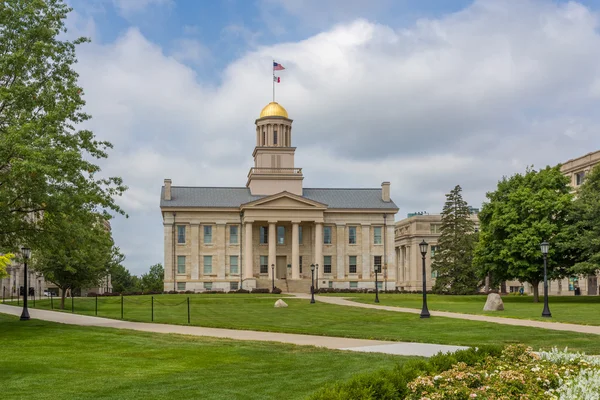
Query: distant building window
column 327, row 235
column 353, row 285
column 274, row 137
column 281, row 235
column 181, row 264
column 207, row 285
column 434, row 274
column 377, row 235
column 352, row 263
column 263, row 235
column 264, row 137
column 327, row 264
column 181, row 286
column 330, row 284
column 573, row 283
column 207, row 265
column 264, row 264
column 377, row 263
column 379, row 285
column 234, row 285
column 579, row 177
column 207, row 234
column 300, row 263
column 436, row 228
column 233, row 234
column 514, row 289
column 352, row 235
column 233, row 265
column 180, row 233
column 433, row 250
column 300, row 234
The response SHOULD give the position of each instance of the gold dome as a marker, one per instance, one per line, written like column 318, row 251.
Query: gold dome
column 273, row 109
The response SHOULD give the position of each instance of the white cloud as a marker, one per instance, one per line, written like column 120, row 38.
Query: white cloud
column 127, row 7
column 463, row 100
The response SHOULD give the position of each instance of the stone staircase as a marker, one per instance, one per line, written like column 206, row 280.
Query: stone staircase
column 286, row 285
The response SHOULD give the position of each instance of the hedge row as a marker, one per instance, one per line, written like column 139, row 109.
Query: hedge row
column 392, row 384
column 254, row 291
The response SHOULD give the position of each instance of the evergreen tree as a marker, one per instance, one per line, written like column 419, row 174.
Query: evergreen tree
column 453, row 259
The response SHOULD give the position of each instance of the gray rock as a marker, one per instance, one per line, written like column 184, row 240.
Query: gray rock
column 494, row 303
column 280, row 303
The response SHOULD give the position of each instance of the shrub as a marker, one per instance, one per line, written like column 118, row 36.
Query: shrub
column 260, row 290
column 276, row 291
column 92, row 294
column 242, row 291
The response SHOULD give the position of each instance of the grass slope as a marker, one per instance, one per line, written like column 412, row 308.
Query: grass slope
column 44, row 360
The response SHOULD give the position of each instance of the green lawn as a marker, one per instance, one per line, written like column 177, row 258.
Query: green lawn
column 258, row 313
column 583, row 310
column 43, row 360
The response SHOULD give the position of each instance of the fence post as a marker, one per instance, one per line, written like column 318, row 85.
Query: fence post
column 121, row 305
column 52, row 300
column 33, row 299
column 72, row 303
column 188, row 301
column 152, row 308
column 96, row 304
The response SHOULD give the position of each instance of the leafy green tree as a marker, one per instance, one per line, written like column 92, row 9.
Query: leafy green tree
column 153, row 281
column 122, row 280
column 453, row 259
column 74, row 254
column 4, row 262
column 583, row 227
column 523, row 211
column 46, row 163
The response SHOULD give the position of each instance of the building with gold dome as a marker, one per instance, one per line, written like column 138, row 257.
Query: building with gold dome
column 273, row 229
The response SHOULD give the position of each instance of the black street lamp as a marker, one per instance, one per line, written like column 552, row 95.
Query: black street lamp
column 273, row 277
column 424, row 311
column 376, row 285
column 544, row 247
column 26, row 252
column 317, row 277
column 312, row 284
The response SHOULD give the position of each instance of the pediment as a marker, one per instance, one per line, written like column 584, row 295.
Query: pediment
column 285, row 200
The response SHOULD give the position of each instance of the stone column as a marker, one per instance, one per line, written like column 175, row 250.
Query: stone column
column 248, row 261
column 220, row 243
column 366, row 251
column 194, row 253
column 391, row 256
column 272, row 246
column 340, row 253
column 295, row 251
column 319, row 247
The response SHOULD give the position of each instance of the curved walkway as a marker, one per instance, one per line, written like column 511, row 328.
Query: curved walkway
column 336, row 343
column 557, row 326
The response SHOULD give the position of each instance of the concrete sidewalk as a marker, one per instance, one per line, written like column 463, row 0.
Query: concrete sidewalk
column 557, row 326
column 336, row 343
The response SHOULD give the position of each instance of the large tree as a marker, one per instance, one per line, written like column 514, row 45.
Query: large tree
column 46, row 162
column 453, row 258
column 583, row 227
column 523, row 211
column 153, row 280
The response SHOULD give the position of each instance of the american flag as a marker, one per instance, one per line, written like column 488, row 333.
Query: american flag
column 277, row 66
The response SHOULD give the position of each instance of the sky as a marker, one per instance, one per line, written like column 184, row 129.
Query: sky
column 424, row 94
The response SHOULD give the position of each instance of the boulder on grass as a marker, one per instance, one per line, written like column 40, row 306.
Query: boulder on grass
column 280, row 303
column 493, row 303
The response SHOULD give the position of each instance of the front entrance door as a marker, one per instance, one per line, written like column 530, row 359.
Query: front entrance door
column 592, row 285
column 280, row 270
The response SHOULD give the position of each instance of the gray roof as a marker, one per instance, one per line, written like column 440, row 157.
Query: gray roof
column 184, row 196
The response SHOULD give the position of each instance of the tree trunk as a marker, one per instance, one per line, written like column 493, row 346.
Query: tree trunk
column 536, row 291
column 62, row 300
column 487, row 283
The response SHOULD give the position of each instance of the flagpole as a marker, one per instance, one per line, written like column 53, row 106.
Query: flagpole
column 273, row 67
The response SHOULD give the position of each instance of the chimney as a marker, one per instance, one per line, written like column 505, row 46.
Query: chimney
column 167, row 189
column 385, row 191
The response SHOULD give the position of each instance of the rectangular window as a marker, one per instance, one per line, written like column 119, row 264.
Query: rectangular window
column 353, row 285
column 352, row 268
column 300, row 264
column 377, row 263
column 233, row 265
column 327, row 264
column 433, row 250
column 379, row 285
column 330, row 284
column 274, row 137
column 327, row 235
column 207, row 265
column 434, row 274
column 435, row 228
column 180, row 286
column 579, row 177
column 300, row 234
column 377, row 235
column 234, row 285
column 207, row 285
column 264, row 137
column 207, row 234
column 264, row 264
column 281, row 235
column 263, row 235
column 233, row 234
column 181, row 234
column 181, row 264
column 352, row 235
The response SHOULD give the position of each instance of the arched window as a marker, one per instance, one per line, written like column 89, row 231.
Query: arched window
column 274, row 137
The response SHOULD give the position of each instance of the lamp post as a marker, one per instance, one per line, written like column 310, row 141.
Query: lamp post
column 544, row 247
column 317, row 279
column 273, row 277
column 312, row 284
column 376, row 286
column 26, row 251
column 424, row 311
